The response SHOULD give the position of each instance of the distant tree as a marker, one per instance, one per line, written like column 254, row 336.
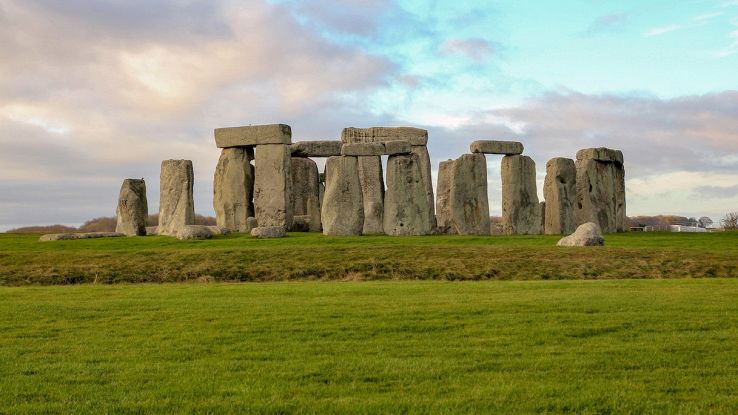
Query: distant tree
column 705, row 222
column 103, row 224
column 730, row 221
column 43, row 229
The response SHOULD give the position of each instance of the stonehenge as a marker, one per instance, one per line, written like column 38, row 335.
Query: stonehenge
column 265, row 185
column 176, row 204
column 132, row 210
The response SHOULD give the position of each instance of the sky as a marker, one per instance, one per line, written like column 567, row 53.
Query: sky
column 92, row 92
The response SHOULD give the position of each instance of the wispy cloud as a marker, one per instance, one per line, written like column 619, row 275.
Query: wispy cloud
column 476, row 49
column 662, row 30
column 607, row 23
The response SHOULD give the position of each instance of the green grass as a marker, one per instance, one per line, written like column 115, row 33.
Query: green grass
column 24, row 260
column 619, row 346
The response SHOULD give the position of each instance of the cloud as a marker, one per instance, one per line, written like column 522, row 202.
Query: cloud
column 607, row 23
column 716, row 192
column 662, row 30
column 478, row 50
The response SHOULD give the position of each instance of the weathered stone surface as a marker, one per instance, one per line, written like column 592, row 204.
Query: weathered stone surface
column 521, row 212
column 444, row 219
column 509, row 148
column 601, row 154
column 325, row 148
column 82, row 235
column 469, row 201
column 132, row 209
column 425, row 174
column 233, row 188
column 272, row 186
column 392, row 148
column 601, row 190
column 176, row 205
column 192, row 232
column 415, row 136
column 343, row 203
column 306, row 191
column 269, row 232
column 560, row 192
column 588, row 234
column 253, row 135
column 251, row 223
column 363, row 149
column 300, row 223
column 372, row 190
column 406, row 203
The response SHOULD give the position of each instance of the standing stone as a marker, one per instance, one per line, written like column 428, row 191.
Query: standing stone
column 444, row 219
column 132, row 208
column 272, row 193
column 342, row 212
column 233, row 188
column 176, row 204
column 601, row 189
column 372, row 189
column 306, row 192
column 406, row 203
column 469, row 201
column 560, row 193
column 521, row 212
column 427, row 179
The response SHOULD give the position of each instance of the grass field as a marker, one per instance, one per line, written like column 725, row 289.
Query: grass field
column 618, row 346
column 24, row 260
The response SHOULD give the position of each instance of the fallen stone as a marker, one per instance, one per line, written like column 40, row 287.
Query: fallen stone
column 372, row 190
column 588, row 234
column 560, row 192
column 343, row 204
column 326, row 148
column 363, row 149
column 253, row 135
column 509, row 148
column 82, row 235
column 233, row 188
column 176, row 204
column 132, row 209
column 521, row 212
column 300, row 223
column 272, row 186
column 424, row 164
column 193, row 232
column 269, row 232
column 405, row 203
column 469, row 201
column 600, row 188
column 392, row 148
column 306, row 191
column 415, row 136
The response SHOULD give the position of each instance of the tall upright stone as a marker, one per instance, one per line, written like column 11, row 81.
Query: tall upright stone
column 406, row 203
column 133, row 208
column 444, row 219
column 521, row 212
column 306, row 191
column 462, row 202
column 233, row 188
column 272, row 185
column 372, row 189
column 343, row 206
column 176, row 204
column 560, row 192
column 425, row 173
column 601, row 188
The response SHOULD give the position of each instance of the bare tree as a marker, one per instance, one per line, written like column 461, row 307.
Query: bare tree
column 730, row 221
column 705, row 221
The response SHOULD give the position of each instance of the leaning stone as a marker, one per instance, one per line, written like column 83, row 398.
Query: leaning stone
column 469, row 200
column 253, row 135
column 372, row 189
column 405, row 203
column 363, row 149
column 272, row 185
column 327, row 148
column 600, row 188
column 306, row 191
column 424, row 164
column 83, row 235
column 233, row 188
column 269, row 232
column 300, row 223
column 132, row 208
column 392, row 148
column 343, row 204
column 560, row 192
column 444, row 219
column 176, row 204
column 521, row 212
column 509, row 148
column 588, row 234
column 415, row 136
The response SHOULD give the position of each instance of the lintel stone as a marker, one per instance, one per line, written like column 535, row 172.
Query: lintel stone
column 253, row 135
column 415, row 136
column 508, row 148
column 321, row 148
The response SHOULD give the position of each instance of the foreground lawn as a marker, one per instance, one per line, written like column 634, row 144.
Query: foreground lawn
column 666, row 346
column 24, row 260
